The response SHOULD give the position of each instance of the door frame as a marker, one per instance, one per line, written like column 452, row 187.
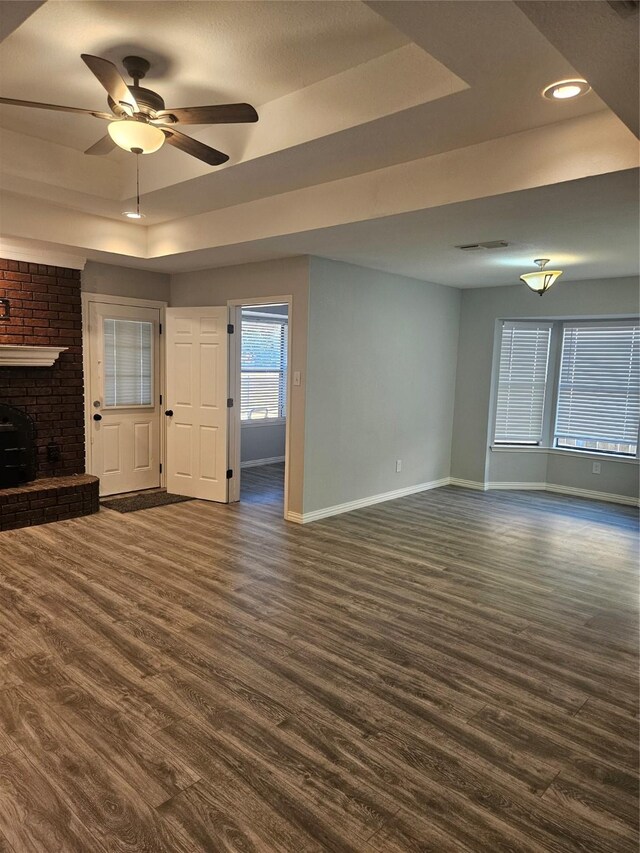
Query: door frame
column 235, row 317
column 107, row 299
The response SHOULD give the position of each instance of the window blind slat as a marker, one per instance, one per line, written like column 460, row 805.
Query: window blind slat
column 522, row 381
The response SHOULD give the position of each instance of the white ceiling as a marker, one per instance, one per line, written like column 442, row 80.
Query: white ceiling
column 345, row 90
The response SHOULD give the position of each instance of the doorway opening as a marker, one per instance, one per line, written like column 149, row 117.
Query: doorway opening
column 262, row 390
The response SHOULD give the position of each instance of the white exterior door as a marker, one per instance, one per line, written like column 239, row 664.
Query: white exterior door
column 124, row 397
column 196, row 405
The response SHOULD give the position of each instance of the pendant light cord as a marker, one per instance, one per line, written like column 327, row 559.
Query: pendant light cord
column 138, row 184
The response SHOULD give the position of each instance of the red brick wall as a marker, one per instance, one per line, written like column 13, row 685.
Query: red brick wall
column 46, row 311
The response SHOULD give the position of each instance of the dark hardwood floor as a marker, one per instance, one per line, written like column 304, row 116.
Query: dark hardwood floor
column 264, row 485
column 453, row 671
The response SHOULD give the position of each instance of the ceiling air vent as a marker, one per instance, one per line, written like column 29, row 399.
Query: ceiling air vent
column 624, row 8
column 488, row 244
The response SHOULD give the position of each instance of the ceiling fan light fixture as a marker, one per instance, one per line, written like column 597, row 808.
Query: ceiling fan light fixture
column 133, row 214
column 131, row 134
column 541, row 280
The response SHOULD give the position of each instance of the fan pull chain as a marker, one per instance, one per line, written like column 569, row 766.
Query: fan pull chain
column 138, row 184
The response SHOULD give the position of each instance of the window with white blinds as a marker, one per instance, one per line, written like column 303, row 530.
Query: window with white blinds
column 599, row 388
column 522, row 382
column 128, row 363
column 263, row 367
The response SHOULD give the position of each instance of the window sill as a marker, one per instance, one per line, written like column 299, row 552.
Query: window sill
column 262, row 422
column 581, row 454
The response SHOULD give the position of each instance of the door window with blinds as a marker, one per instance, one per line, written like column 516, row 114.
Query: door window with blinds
column 263, row 367
column 598, row 405
column 128, row 363
column 596, row 378
column 522, row 383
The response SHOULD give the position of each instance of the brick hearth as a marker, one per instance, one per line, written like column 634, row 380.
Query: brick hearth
column 51, row 499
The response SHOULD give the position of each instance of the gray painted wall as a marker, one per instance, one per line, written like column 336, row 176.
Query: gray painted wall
column 616, row 477
column 124, row 281
column 381, row 364
column 262, row 441
column 481, row 309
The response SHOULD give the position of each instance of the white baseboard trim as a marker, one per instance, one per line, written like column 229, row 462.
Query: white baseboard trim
column 547, row 487
column 529, row 487
column 254, row 463
column 338, row 509
column 467, row 484
column 589, row 493
column 295, row 517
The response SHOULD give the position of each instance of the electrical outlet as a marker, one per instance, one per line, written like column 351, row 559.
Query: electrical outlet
column 595, row 468
column 398, row 465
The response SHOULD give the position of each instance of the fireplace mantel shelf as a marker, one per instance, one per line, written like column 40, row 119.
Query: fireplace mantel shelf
column 12, row 355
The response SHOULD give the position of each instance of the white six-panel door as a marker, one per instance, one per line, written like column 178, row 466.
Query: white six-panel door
column 196, row 404
column 124, row 396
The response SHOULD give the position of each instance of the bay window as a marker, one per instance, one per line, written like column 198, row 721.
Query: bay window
column 569, row 386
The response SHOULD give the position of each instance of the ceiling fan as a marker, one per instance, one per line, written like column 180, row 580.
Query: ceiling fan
column 138, row 119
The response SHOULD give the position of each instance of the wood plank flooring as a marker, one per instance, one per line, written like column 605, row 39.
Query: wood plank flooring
column 453, row 671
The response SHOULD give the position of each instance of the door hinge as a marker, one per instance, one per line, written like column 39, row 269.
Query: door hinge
column 229, row 402
column 160, row 328
column 161, row 467
column 229, row 473
column 230, row 328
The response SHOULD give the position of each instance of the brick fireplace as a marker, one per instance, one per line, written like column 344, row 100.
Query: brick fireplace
column 44, row 306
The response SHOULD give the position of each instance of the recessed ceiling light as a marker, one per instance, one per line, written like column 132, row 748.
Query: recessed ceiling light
column 132, row 214
column 563, row 90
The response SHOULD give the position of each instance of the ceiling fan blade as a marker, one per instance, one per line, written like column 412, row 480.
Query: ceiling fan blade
column 218, row 114
column 194, row 147
column 102, row 146
column 111, row 79
column 18, row 103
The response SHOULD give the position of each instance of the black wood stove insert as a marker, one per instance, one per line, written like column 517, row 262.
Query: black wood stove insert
column 17, row 447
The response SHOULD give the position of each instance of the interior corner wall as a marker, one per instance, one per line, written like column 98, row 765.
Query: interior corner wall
column 381, row 365
column 482, row 308
column 283, row 277
column 111, row 280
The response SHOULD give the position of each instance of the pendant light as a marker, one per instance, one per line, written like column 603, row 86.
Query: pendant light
column 542, row 280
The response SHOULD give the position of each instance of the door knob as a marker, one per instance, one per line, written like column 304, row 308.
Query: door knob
column 97, row 417
column 169, row 413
